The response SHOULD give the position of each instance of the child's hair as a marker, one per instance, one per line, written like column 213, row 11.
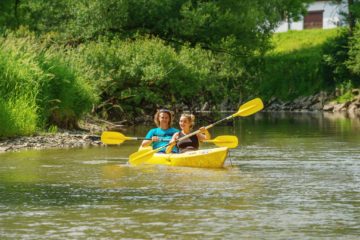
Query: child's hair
column 157, row 115
column 190, row 118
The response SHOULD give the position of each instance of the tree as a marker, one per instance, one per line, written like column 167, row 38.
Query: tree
column 352, row 14
column 230, row 26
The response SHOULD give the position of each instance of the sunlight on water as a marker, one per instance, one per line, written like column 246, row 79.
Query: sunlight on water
column 293, row 176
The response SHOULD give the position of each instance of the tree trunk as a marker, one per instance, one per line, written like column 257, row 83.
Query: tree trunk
column 17, row 2
column 351, row 17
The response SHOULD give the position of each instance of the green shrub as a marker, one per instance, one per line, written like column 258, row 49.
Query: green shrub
column 335, row 55
column 354, row 55
column 142, row 75
column 345, row 93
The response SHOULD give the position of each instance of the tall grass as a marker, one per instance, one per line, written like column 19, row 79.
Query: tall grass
column 40, row 86
column 20, row 77
column 67, row 94
column 18, row 117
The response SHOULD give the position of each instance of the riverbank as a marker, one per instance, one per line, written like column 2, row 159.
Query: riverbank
column 59, row 140
column 90, row 135
column 91, row 128
column 319, row 102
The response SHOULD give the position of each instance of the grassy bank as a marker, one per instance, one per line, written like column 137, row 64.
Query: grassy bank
column 295, row 65
column 39, row 86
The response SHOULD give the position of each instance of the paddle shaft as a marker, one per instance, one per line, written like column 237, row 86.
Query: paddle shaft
column 216, row 123
column 196, row 132
column 142, row 138
column 207, row 127
column 113, row 138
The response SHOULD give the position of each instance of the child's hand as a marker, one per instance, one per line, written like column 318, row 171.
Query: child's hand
column 202, row 129
column 170, row 147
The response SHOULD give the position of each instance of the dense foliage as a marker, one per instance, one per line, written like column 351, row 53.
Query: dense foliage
column 135, row 76
column 232, row 26
column 123, row 59
column 354, row 60
column 132, row 56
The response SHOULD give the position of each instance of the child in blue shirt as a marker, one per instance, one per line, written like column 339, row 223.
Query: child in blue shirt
column 160, row 136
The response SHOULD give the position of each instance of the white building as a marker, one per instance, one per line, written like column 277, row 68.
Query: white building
column 321, row 14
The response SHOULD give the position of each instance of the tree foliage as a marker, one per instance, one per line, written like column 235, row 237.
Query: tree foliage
column 354, row 60
column 134, row 74
column 232, row 26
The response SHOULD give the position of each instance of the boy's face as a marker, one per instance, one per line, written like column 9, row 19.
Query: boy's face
column 164, row 119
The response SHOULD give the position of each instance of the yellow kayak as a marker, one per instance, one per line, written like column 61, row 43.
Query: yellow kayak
column 205, row 158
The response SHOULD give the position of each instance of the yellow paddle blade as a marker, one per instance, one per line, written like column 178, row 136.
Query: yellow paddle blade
column 111, row 138
column 139, row 157
column 249, row 108
column 225, row 141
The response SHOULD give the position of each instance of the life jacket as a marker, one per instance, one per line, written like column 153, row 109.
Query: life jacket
column 191, row 143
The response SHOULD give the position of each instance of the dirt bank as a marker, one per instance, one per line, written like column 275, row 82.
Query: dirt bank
column 58, row 140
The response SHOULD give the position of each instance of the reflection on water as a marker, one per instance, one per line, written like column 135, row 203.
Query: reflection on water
column 293, row 176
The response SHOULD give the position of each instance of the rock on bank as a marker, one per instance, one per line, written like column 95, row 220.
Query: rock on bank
column 319, row 102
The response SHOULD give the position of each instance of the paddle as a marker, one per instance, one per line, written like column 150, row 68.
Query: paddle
column 246, row 109
column 114, row 138
column 224, row 141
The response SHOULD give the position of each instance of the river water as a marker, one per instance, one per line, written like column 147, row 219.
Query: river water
column 293, row 176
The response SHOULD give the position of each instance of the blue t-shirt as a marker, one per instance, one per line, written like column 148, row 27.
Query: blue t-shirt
column 164, row 135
